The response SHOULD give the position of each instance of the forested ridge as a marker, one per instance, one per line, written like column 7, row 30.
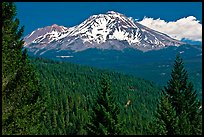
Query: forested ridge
column 46, row 97
column 79, row 85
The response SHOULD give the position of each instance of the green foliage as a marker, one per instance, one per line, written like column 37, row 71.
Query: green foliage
column 185, row 113
column 177, row 84
column 21, row 102
column 45, row 97
column 71, row 90
column 105, row 117
column 166, row 122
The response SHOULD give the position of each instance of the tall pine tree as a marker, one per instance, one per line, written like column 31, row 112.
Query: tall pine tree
column 21, row 106
column 105, row 117
column 183, row 99
column 166, row 121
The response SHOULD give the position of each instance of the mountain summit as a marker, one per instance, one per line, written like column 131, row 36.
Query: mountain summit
column 112, row 30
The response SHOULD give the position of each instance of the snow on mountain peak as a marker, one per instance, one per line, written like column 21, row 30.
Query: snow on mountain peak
column 113, row 12
column 46, row 35
column 54, row 25
column 100, row 31
column 99, row 28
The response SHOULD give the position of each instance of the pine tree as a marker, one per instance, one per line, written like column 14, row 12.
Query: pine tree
column 21, row 107
column 177, row 85
column 166, row 122
column 105, row 117
column 183, row 99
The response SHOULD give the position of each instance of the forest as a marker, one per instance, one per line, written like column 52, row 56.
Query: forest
column 46, row 97
column 75, row 87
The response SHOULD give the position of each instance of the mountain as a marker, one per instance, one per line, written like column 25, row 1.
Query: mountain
column 113, row 41
column 192, row 42
column 104, row 31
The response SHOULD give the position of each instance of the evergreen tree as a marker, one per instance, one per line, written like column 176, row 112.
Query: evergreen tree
column 166, row 122
column 105, row 117
column 177, row 85
column 21, row 106
column 183, row 99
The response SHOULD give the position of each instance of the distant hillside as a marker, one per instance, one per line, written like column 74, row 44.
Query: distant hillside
column 78, row 85
column 153, row 65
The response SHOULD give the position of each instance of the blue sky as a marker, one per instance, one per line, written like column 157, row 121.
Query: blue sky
column 35, row 15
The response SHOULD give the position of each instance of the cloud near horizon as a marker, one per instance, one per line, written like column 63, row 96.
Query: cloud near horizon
column 184, row 28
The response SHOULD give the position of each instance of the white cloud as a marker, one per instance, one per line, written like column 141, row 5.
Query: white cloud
column 187, row 28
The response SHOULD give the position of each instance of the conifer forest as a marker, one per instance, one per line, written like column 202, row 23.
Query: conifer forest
column 46, row 97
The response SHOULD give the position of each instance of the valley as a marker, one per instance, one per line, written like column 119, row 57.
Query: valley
column 116, row 42
column 103, row 74
column 155, row 66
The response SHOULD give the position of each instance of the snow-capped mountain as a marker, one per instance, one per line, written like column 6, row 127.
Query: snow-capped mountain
column 104, row 31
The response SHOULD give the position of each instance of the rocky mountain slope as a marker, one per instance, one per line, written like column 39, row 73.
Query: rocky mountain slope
column 111, row 30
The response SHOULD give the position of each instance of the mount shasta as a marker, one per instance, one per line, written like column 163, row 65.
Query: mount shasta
column 114, row 41
column 104, row 31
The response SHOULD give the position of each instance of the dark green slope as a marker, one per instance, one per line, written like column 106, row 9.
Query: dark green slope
column 153, row 65
column 70, row 90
